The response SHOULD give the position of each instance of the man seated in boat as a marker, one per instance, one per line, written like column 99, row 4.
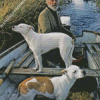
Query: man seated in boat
column 49, row 21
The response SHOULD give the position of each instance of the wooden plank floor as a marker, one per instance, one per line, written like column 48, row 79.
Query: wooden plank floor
column 23, row 66
column 23, row 58
column 8, row 89
column 47, row 72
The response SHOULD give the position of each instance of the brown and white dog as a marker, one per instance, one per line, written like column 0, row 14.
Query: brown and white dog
column 42, row 43
column 56, row 87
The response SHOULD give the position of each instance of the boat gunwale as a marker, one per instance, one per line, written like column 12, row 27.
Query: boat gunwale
column 97, row 33
column 11, row 49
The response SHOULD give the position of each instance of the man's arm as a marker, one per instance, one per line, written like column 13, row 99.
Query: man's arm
column 64, row 30
column 43, row 24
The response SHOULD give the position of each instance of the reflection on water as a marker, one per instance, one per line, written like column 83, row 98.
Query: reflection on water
column 79, row 4
column 84, row 16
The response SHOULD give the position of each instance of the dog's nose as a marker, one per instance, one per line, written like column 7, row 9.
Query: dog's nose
column 84, row 72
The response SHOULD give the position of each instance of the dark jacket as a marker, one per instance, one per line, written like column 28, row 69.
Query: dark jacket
column 47, row 23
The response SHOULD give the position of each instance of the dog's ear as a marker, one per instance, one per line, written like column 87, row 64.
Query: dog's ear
column 30, row 27
column 63, row 71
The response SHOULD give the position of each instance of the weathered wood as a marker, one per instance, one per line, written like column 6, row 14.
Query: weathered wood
column 91, row 62
column 14, row 54
column 20, row 98
column 48, row 72
column 15, row 95
column 92, row 72
column 97, row 48
column 4, row 86
column 11, row 49
column 96, row 58
column 6, row 72
column 28, row 62
column 24, row 58
column 79, row 45
column 30, row 71
column 95, row 54
column 6, row 95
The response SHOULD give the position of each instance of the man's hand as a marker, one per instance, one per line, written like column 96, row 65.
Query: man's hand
column 74, row 37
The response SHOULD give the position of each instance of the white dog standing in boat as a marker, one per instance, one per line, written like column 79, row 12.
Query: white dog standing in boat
column 42, row 43
column 54, row 88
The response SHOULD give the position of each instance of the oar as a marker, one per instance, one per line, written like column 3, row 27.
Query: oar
column 6, row 71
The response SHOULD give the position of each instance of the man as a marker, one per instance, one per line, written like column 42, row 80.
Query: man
column 49, row 21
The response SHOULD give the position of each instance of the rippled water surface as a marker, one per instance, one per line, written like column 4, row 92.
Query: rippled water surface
column 84, row 16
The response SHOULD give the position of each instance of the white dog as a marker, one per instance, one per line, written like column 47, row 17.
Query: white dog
column 54, row 88
column 42, row 43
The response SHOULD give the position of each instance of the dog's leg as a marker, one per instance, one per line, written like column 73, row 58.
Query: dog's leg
column 39, row 59
column 64, row 56
column 66, row 53
column 36, row 64
column 70, row 55
column 29, row 96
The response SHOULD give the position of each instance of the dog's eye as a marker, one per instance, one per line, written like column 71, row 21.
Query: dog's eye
column 74, row 71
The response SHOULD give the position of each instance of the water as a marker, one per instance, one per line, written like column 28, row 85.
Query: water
column 84, row 16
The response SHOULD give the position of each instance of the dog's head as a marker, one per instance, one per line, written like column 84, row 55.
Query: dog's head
column 74, row 72
column 22, row 28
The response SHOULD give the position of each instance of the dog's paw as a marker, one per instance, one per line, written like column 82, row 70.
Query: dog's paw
column 35, row 68
column 39, row 71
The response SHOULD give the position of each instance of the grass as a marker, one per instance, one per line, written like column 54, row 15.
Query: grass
column 98, row 3
column 83, row 95
column 28, row 13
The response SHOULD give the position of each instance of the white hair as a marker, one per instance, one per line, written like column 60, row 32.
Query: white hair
column 47, row 1
column 50, row 6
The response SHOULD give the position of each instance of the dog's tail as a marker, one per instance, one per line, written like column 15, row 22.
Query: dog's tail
column 19, row 87
column 72, row 42
column 73, row 48
column 74, row 59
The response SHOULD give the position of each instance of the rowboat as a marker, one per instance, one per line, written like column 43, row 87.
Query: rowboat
column 17, row 61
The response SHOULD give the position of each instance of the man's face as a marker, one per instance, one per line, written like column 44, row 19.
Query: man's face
column 53, row 4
